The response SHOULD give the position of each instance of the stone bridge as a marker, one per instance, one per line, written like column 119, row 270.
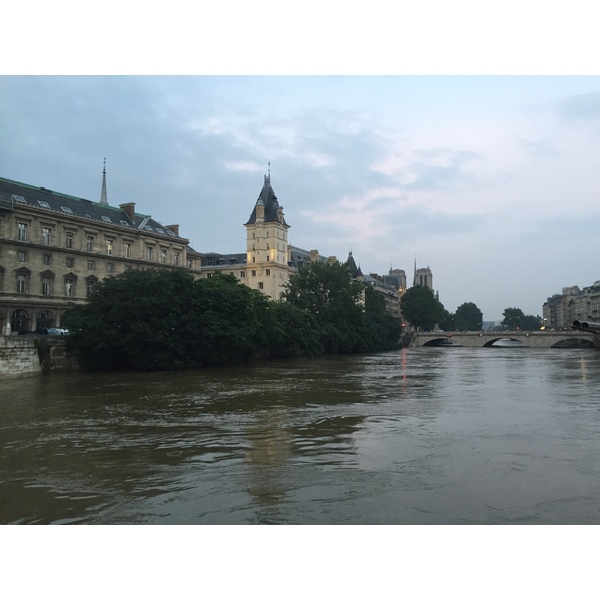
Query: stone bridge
column 531, row 339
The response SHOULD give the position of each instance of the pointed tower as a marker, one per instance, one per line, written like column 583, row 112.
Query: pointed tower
column 267, row 248
column 103, row 196
column 354, row 269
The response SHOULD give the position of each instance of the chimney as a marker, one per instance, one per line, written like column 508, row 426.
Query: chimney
column 173, row 228
column 314, row 255
column 129, row 210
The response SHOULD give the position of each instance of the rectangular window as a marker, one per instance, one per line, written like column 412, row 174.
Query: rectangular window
column 45, row 286
column 209, row 275
column 176, row 258
column 22, row 256
column 69, row 239
column 46, row 235
column 163, row 255
column 21, row 284
column 242, row 273
column 109, row 247
column 127, row 250
column 260, row 285
column 190, row 263
column 22, row 232
column 150, row 252
column 209, row 262
column 46, row 259
column 90, row 265
column 253, row 273
column 70, row 262
column 268, row 272
column 89, row 243
column 90, row 287
column 109, row 267
column 69, row 287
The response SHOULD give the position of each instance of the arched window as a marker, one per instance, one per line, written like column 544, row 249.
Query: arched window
column 44, row 319
column 18, row 321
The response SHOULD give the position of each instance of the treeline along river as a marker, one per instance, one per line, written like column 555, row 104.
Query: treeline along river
column 416, row 436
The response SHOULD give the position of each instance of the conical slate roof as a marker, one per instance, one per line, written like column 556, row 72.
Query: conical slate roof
column 269, row 200
column 354, row 270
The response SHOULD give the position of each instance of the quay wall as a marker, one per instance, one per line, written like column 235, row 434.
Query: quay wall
column 19, row 356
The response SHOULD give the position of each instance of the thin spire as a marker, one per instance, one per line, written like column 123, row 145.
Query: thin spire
column 269, row 170
column 415, row 273
column 103, row 196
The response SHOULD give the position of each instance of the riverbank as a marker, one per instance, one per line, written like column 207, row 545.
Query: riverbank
column 22, row 355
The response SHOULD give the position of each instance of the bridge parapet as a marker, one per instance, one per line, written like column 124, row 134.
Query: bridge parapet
column 531, row 339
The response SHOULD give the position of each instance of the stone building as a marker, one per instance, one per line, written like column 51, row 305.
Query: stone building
column 269, row 259
column 54, row 248
column 560, row 310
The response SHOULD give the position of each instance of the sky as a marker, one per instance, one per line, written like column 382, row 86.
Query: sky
column 490, row 180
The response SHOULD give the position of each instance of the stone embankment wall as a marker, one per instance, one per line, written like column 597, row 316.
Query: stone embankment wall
column 19, row 356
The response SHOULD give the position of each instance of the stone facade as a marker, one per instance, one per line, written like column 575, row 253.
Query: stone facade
column 560, row 310
column 269, row 259
column 54, row 248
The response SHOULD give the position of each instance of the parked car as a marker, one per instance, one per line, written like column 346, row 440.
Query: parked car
column 52, row 331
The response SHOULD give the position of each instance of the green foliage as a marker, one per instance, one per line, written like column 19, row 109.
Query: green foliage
column 292, row 331
column 328, row 293
column 447, row 321
column 384, row 330
column 165, row 320
column 468, row 317
column 514, row 318
column 421, row 308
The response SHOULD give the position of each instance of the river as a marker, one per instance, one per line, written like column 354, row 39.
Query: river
column 417, row 436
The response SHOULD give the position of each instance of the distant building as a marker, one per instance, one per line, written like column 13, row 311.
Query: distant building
column 560, row 310
column 54, row 248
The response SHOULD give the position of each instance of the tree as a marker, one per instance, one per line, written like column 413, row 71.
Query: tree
column 468, row 317
column 328, row 293
column 384, row 330
column 164, row 320
column 515, row 319
column 420, row 307
column 512, row 318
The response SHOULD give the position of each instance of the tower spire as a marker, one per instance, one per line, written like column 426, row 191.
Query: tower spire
column 103, row 196
column 415, row 272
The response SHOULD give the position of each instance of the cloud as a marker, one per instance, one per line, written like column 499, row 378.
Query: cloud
column 581, row 106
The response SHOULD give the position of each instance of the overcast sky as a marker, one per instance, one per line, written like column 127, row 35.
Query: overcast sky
column 491, row 181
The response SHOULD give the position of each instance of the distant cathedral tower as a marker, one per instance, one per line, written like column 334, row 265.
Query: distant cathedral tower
column 267, row 247
column 423, row 277
column 103, row 196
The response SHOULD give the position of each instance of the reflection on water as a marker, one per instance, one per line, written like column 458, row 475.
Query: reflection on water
column 416, row 436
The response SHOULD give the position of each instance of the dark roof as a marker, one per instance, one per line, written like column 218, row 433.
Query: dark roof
column 269, row 199
column 351, row 264
column 299, row 257
column 44, row 199
column 223, row 260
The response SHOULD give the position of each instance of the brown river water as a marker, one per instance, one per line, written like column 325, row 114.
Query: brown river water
column 417, row 436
